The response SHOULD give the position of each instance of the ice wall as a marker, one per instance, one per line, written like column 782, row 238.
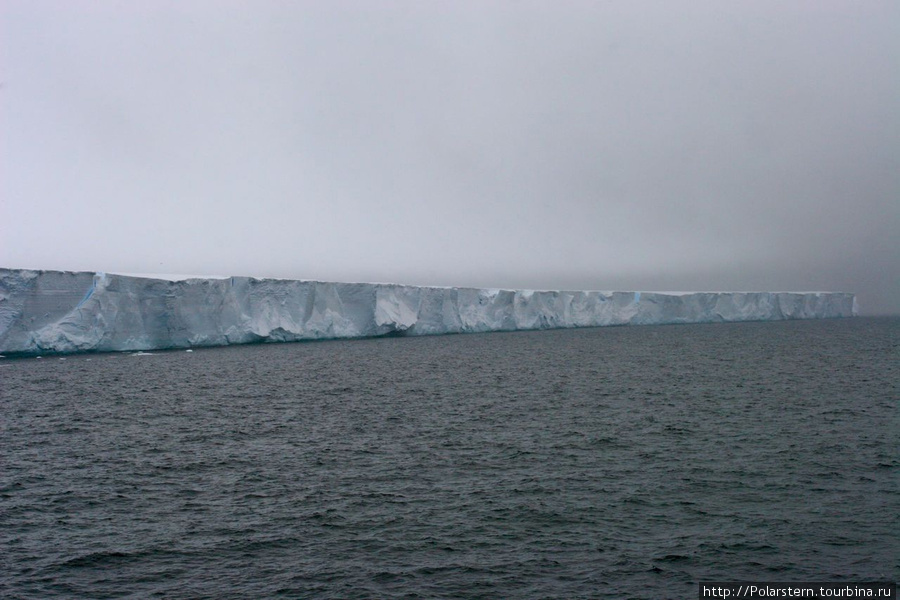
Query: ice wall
column 53, row 311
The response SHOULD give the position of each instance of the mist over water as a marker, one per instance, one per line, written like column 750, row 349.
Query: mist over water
column 627, row 462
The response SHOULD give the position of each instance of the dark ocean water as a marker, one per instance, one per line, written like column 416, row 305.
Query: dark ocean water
column 627, row 462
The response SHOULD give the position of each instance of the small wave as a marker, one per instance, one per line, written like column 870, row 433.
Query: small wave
column 102, row 559
column 669, row 558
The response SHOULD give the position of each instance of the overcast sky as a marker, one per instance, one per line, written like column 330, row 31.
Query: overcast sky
column 670, row 145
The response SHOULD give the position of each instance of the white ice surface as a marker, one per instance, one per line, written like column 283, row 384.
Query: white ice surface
column 53, row 311
column 170, row 276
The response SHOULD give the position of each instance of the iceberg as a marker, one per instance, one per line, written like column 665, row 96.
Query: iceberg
column 44, row 312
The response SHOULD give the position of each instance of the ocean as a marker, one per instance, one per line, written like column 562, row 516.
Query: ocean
column 618, row 462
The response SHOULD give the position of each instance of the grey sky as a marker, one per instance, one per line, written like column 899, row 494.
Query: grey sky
column 671, row 145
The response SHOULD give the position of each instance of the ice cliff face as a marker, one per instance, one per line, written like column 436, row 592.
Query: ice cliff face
column 52, row 311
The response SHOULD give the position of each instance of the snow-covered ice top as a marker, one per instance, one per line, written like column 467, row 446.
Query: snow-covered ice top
column 54, row 311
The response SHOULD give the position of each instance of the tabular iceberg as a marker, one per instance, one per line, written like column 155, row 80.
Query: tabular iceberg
column 60, row 312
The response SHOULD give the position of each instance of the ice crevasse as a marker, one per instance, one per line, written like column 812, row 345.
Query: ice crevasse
column 62, row 312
